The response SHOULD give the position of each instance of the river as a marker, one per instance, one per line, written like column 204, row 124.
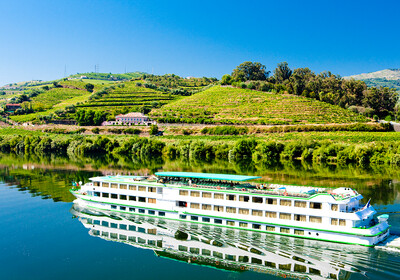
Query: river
column 46, row 236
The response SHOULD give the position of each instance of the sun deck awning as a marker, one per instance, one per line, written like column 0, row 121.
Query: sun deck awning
column 210, row 176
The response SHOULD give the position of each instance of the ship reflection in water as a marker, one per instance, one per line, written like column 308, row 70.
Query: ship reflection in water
column 226, row 249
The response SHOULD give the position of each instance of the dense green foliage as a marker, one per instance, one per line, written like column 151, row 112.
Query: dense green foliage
column 267, row 152
column 250, row 71
column 227, row 105
column 108, row 76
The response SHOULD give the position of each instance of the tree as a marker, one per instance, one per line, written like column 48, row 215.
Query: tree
column 248, row 70
column 226, row 79
column 299, row 80
column 354, row 91
column 153, row 130
column 382, row 100
column 89, row 87
column 282, row 72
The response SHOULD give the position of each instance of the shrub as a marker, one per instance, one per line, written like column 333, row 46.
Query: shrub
column 96, row 130
column 153, row 129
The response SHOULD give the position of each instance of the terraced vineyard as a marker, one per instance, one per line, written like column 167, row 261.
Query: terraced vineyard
column 232, row 105
column 128, row 96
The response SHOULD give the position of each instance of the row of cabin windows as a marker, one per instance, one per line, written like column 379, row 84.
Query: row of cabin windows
column 125, row 197
column 123, row 226
column 125, row 187
column 139, row 210
column 255, row 199
column 112, row 235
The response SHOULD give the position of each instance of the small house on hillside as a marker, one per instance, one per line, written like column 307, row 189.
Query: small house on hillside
column 130, row 119
column 12, row 107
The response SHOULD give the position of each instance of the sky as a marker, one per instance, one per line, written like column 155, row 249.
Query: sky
column 41, row 39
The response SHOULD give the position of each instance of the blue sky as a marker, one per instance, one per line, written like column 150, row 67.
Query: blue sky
column 194, row 38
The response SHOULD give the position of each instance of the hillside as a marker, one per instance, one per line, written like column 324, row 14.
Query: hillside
column 385, row 78
column 243, row 106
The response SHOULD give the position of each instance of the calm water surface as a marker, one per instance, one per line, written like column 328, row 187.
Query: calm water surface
column 45, row 236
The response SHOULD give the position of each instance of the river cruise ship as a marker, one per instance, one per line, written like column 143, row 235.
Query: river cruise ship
column 231, row 201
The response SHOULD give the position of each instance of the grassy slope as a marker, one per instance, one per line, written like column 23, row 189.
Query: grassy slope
column 232, row 105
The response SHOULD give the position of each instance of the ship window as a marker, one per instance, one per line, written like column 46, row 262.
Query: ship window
column 299, row 268
column 97, row 194
column 132, row 209
column 141, row 211
column 285, row 202
column 218, row 221
column 269, row 214
column 230, row 209
column 206, row 195
column 205, row 252
column 113, row 225
column 152, row 189
column 122, row 237
column 181, row 216
column 142, row 188
column 334, row 222
column 270, row 228
column 104, row 234
column 181, row 203
column 141, row 240
column 206, row 207
column 114, row 186
column 123, row 187
column 123, row 208
column 122, row 196
column 104, row 224
column 334, row 207
column 314, row 219
column 113, row 207
column 142, row 199
column 114, row 235
column 256, row 261
column 244, row 211
column 114, row 195
column 151, row 242
column 271, row 201
column 205, row 219
column 300, row 218
column 285, row 216
column 132, row 238
column 162, row 214
column 302, row 204
column 217, row 255
column 270, row 264
column 243, row 259
column 218, row 208
column 332, row 276
column 241, row 224
column 256, row 226
column 342, row 222
column 142, row 230
column 132, row 198
column 132, row 228
column 106, row 194
column 195, row 194
column 194, row 250
column 152, row 200
column 152, row 212
column 96, row 184
column 230, row 197
column 244, row 198
column 105, row 185
column 183, row 192
column 314, row 271
column 285, row 230
column 219, row 196
column 257, row 199
column 195, row 205
column 285, row 266
column 182, row 248
column 132, row 187
column 256, row 212
column 299, row 232
column 230, row 257
column 194, row 218
column 315, row 205
column 96, row 232
column 230, row 223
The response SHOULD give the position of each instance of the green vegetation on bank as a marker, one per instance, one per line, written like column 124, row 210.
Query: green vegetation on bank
column 229, row 105
column 269, row 150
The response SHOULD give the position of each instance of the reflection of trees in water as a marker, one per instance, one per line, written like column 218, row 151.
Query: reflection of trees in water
column 52, row 175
